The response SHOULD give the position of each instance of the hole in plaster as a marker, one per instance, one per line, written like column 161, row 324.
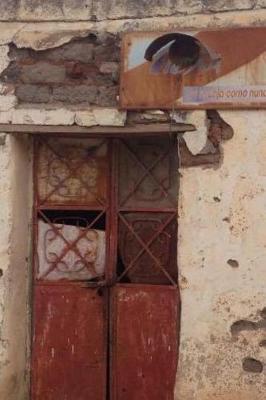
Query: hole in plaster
column 226, row 219
column 262, row 343
column 92, row 37
column 252, row 365
column 242, row 325
column 1, row 272
column 217, row 199
column 263, row 313
column 233, row 263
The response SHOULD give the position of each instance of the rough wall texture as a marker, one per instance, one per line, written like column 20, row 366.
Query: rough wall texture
column 14, row 242
column 72, row 10
column 222, row 263
column 83, row 71
column 222, row 208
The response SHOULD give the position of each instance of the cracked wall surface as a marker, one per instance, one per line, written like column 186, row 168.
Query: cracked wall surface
column 222, row 252
column 15, row 201
column 69, row 10
column 222, row 193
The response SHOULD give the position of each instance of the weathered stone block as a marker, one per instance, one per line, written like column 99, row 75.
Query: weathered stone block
column 4, row 59
column 42, row 72
column 85, row 118
column 73, row 51
column 107, row 96
column 261, row 3
column 225, row 5
column 7, row 102
column 11, row 73
column 75, row 94
column 109, row 117
column 117, row 9
column 33, row 93
column 8, row 9
column 55, row 10
column 107, row 53
column 58, row 116
column 109, row 67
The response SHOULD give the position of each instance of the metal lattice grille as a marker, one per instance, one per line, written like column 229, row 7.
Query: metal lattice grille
column 106, row 210
column 70, row 248
column 147, row 245
column 72, row 172
column 147, row 175
column 147, row 227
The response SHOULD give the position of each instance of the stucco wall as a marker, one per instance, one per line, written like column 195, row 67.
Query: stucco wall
column 222, row 248
column 15, row 200
column 222, row 253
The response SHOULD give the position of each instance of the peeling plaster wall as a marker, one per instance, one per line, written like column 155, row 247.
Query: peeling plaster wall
column 15, row 200
column 223, row 218
column 222, row 248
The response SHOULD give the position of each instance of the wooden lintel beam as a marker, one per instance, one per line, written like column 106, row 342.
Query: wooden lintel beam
column 140, row 129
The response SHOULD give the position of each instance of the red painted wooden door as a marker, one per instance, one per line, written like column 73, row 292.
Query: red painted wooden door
column 105, row 296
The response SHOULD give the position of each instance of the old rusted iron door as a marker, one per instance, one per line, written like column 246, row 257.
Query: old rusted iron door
column 105, row 298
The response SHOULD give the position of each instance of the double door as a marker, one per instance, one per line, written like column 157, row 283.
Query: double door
column 105, row 296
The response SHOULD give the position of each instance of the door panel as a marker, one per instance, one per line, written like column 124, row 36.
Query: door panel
column 147, row 244
column 69, row 344
column 145, row 342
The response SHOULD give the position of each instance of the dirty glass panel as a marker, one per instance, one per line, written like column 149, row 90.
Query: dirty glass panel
column 72, row 171
column 148, row 173
column 147, row 248
column 71, row 246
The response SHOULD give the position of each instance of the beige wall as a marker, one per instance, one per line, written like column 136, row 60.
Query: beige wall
column 223, row 217
column 222, row 209
column 15, row 200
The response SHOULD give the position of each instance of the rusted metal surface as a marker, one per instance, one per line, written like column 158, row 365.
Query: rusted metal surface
column 236, row 80
column 147, row 199
column 147, row 173
column 145, row 342
column 69, row 344
column 104, row 213
column 147, row 242
column 70, row 251
column 72, row 172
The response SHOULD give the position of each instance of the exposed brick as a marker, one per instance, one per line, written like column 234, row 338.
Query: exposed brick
column 69, row 10
column 225, row 5
column 109, row 67
column 106, row 53
column 42, row 72
column 73, row 51
column 9, row 9
column 75, row 94
column 77, row 70
column 33, row 93
column 107, row 96
column 12, row 73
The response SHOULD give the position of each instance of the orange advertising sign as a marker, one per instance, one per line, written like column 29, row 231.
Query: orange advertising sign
column 193, row 70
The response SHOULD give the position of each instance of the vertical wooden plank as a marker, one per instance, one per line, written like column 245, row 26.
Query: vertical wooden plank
column 145, row 342
column 69, row 344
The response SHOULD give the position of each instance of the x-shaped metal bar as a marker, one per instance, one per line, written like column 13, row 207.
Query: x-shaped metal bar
column 145, row 247
column 71, row 171
column 70, row 246
column 147, row 172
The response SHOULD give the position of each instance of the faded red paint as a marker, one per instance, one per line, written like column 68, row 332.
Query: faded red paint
column 69, row 344
column 78, row 326
column 145, row 342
